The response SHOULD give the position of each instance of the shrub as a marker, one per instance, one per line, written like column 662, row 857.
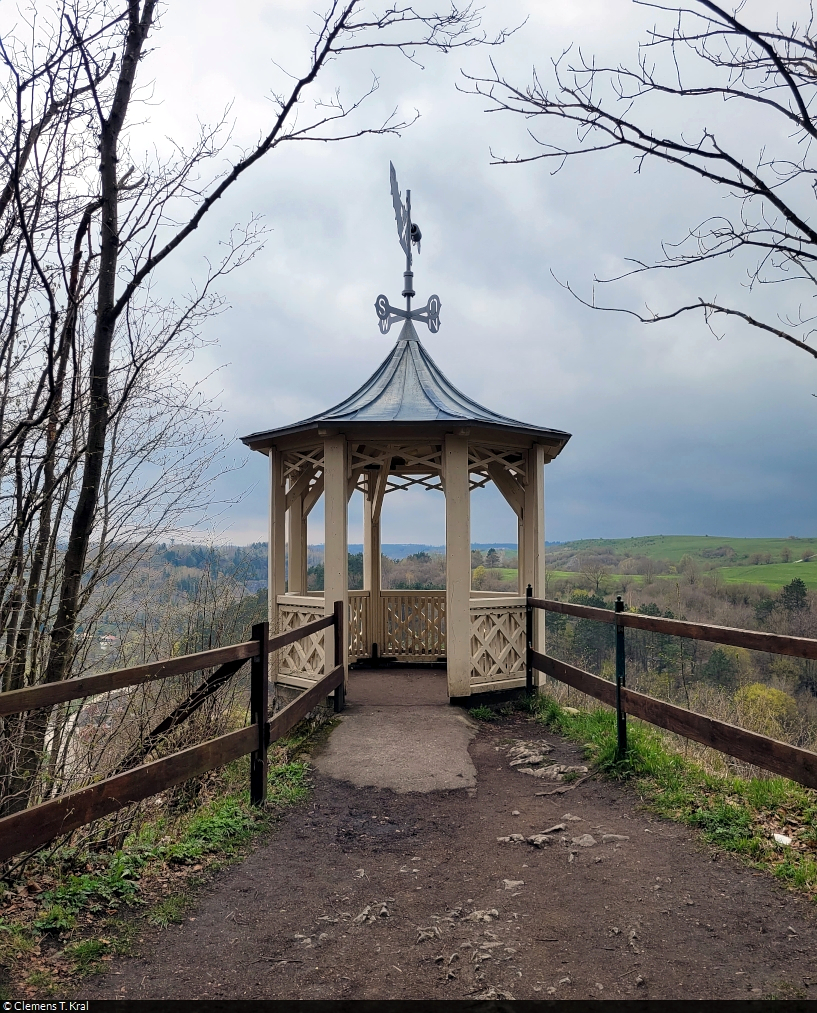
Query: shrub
column 580, row 597
column 766, row 708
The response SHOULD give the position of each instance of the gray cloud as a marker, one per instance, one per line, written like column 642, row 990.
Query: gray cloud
column 674, row 431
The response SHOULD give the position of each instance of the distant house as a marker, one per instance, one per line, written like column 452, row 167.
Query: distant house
column 107, row 641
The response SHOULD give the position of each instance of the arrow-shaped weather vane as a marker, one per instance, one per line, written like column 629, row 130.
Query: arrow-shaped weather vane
column 409, row 235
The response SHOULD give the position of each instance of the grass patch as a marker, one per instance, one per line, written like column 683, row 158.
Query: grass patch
column 87, row 955
column 734, row 814
column 87, row 902
column 482, row 713
column 169, row 911
column 15, row 940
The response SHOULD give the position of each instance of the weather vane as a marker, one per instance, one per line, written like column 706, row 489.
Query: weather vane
column 409, row 234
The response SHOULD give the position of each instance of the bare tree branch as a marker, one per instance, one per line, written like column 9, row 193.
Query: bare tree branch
column 708, row 51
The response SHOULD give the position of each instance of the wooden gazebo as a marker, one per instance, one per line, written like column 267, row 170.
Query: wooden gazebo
column 407, row 425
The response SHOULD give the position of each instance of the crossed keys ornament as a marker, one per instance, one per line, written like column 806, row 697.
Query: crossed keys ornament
column 409, row 235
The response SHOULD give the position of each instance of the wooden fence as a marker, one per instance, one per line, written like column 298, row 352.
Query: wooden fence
column 770, row 754
column 39, row 824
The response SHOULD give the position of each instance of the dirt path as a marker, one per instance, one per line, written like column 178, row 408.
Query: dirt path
column 372, row 893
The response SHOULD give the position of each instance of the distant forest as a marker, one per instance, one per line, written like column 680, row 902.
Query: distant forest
column 189, row 597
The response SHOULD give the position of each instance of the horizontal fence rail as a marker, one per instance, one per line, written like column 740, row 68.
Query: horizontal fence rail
column 39, row 824
column 778, row 757
column 18, row 700
column 770, row 643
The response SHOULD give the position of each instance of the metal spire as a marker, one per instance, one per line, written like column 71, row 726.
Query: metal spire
column 409, row 235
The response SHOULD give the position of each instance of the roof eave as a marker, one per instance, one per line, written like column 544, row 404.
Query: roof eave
column 261, row 442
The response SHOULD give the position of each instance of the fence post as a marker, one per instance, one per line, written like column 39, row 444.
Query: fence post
column 528, row 641
column 340, row 632
column 259, row 713
column 621, row 717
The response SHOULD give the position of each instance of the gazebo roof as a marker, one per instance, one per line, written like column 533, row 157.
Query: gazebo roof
column 407, row 388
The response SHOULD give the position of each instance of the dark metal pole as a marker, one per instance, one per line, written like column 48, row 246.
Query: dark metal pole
column 259, row 713
column 528, row 641
column 621, row 717
column 340, row 632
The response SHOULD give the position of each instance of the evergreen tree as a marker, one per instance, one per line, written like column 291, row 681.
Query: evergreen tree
column 794, row 596
column 721, row 669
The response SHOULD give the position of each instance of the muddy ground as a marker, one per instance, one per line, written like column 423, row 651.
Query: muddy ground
column 364, row 893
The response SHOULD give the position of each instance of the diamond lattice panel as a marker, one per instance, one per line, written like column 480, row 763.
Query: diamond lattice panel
column 497, row 644
column 305, row 657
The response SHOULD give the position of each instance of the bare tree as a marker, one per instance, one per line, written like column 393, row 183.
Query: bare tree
column 95, row 452
column 593, row 571
column 764, row 179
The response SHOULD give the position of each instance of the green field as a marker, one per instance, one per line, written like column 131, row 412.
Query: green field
column 673, row 547
column 773, row 575
column 506, row 573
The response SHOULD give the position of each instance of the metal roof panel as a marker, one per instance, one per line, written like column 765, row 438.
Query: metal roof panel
column 408, row 386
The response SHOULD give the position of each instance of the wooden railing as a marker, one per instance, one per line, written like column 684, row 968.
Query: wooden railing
column 760, row 750
column 39, row 824
column 360, row 638
column 497, row 641
column 413, row 624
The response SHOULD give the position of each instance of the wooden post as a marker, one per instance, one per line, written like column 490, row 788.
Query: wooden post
column 457, row 566
column 621, row 679
column 340, row 633
column 371, row 556
column 534, row 541
column 276, row 573
column 336, row 552
column 528, row 641
column 259, row 713
column 296, row 544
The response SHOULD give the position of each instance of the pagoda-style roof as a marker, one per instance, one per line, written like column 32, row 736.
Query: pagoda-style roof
column 407, row 388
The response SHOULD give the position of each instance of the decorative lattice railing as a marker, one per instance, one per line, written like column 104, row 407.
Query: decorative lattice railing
column 303, row 662
column 497, row 643
column 360, row 638
column 413, row 625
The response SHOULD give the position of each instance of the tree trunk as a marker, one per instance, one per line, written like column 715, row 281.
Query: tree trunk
column 82, row 525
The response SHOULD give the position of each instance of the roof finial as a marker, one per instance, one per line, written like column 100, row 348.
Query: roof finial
column 409, row 234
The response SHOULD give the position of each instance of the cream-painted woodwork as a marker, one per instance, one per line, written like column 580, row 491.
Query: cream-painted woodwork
column 374, row 490
column 360, row 640
column 480, row 634
column 335, row 552
column 304, row 662
column 297, row 462
column 497, row 644
column 414, row 626
column 296, row 545
column 534, row 541
column 303, row 476
column 458, row 565
column 276, row 556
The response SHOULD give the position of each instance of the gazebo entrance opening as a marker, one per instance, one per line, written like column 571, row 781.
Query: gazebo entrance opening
column 406, row 426
column 400, row 624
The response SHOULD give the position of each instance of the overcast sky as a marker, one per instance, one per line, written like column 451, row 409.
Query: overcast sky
column 673, row 430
